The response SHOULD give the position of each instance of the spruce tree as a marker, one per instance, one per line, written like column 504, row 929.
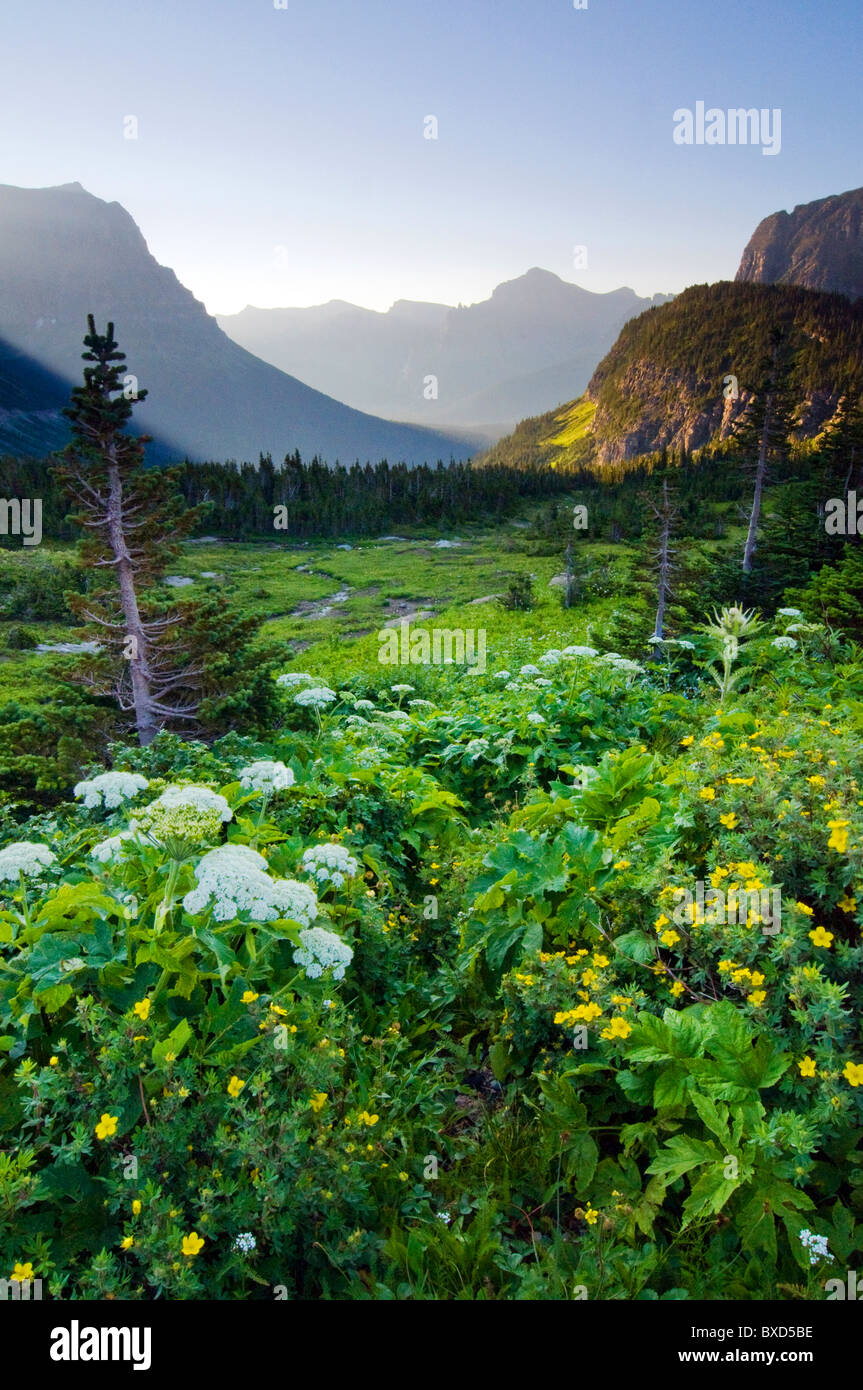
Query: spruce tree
column 134, row 520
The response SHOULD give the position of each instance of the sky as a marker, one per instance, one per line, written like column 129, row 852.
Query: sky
column 281, row 155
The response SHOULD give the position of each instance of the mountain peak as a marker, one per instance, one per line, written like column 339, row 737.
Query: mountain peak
column 818, row 246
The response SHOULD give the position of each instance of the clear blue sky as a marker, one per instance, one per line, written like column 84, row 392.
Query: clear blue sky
column 281, row 157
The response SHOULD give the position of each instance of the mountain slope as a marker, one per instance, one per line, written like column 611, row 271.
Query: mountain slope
column 64, row 253
column 524, row 349
column 662, row 383
column 819, row 246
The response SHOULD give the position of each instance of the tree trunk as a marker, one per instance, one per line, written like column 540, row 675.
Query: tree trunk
column 664, row 569
column 146, row 720
column 760, row 473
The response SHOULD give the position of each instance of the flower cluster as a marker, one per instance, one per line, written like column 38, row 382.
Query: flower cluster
column 816, row 1246
column 110, row 789
column 316, row 698
column 320, row 950
column 265, row 776
column 24, row 857
column 184, row 813
column 106, row 851
column 232, row 879
column 329, row 864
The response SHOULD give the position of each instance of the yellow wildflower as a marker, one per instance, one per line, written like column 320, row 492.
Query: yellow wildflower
column 106, row 1126
column 820, row 937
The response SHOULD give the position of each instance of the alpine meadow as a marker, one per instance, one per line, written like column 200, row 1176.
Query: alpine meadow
column 431, row 734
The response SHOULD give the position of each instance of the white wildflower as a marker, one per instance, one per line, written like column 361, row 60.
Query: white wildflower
column 789, row 613
column 110, row 789
column 503, row 675
column 476, row 747
column 315, row 698
column 291, row 678
column 245, row 1242
column 529, row 670
column 265, row 776
column 24, row 857
column 402, row 689
column 106, row 851
column 815, row 1246
column 580, row 651
column 198, row 798
column 535, row 718
column 551, row 657
column 330, row 864
column 364, row 704
column 233, row 880
column 784, row 644
column 322, row 949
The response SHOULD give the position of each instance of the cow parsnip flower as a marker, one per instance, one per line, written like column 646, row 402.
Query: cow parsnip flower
column 232, row 880
column 316, row 698
column 329, row 864
column 191, row 814
column 110, row 789
column 107, row 851
column 292, row 678
column 322, row 950
column 266, row 776
column 24, row 857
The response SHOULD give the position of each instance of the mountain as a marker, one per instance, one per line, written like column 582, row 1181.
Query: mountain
column 819, row 246
column 65, row 253
column 527, row 347
column 662, row 384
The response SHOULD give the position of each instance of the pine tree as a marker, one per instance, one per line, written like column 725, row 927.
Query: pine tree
column 134, row 521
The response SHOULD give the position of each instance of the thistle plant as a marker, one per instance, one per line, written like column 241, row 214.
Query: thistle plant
column 728, row 631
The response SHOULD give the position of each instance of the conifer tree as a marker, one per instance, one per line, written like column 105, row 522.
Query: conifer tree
column 134, row 520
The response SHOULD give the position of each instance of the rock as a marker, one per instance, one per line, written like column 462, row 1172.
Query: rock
column 819, row 246
column 178, row 581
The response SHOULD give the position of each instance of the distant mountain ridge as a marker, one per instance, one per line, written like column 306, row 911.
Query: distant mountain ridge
column 662, row 384
column 530, row 345
column 819, row 246
column 65, row 253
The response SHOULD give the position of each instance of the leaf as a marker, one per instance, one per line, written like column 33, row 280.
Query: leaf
column 499, row 1057
column 53, row 998
column 582, row 1156
column 637, row 946
column 681, row 1153
column 175, row 1042
column 672, row 1086
column 709, row 1193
